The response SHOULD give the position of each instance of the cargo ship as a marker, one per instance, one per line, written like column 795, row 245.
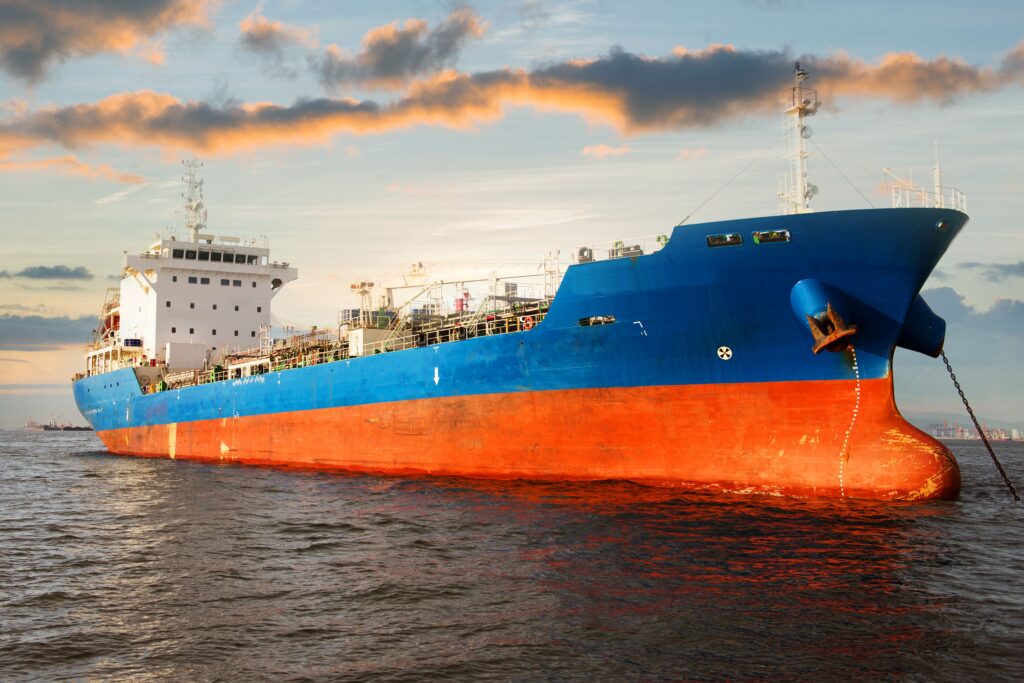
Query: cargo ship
column 746, row 356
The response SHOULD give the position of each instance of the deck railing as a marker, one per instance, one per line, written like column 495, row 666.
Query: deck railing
column 621, row 249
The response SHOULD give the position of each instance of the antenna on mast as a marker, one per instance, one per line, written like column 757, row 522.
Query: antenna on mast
column 795, row 192
column 195, row 212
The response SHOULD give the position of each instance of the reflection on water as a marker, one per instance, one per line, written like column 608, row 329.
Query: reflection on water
column 123, row 567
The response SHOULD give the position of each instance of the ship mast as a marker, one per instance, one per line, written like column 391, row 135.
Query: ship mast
column 799, row 102
column 195, row 212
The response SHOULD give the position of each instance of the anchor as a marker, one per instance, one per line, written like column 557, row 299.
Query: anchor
column 830, row 331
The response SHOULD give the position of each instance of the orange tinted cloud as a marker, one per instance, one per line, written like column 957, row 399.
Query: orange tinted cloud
column 630, row 93
column 269, row 40
column 903, row 77
column 691, row 154
column 393, row 55
column 36, row 34
column 603, row 151
column 70, row 165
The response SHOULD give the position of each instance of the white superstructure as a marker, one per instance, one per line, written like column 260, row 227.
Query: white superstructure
column 183, row 303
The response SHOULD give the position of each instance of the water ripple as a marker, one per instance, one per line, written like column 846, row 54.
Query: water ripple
column 137, row 569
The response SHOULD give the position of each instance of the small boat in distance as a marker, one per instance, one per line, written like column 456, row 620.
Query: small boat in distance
column 54, row 426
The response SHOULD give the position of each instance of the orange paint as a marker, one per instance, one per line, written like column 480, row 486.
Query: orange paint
column 770, row 437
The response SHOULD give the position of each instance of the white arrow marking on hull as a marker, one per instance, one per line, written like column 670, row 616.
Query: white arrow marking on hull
column 437, row 377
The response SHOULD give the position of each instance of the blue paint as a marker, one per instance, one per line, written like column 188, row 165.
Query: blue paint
column 690, row 299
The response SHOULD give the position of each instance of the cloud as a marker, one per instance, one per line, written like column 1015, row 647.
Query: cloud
column 34, row 332
column 36, row 34
column 1005, row 319
column 269, row 41
column 630, row 93
column 22, row 308
column 691, row 154
column 115, row 197
column 393, row 55
column 603, row 151
column 983, row 347
column 995, row 272
column 52, row 273
column 70, row 165
column 533, row 15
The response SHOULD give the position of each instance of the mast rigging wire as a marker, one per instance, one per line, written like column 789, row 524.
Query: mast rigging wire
column 730, row 180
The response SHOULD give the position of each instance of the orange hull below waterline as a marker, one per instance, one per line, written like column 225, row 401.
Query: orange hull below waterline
column 811, row 438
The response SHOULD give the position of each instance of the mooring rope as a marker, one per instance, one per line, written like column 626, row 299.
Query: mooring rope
column 977, row 426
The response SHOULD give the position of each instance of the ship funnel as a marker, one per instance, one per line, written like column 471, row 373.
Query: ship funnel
column 923, row 331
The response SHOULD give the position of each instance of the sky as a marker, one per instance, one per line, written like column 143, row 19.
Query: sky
column 360, row 137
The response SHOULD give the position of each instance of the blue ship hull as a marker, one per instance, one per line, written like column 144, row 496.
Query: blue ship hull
column 673, row 310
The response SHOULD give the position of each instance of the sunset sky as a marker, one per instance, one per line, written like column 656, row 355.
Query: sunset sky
column 362, row 136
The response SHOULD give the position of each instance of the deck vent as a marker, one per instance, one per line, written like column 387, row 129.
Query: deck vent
column 769, row 236
column 597, row 320
column 729, row 239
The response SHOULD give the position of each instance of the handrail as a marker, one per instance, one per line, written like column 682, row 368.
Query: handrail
column 319, row 352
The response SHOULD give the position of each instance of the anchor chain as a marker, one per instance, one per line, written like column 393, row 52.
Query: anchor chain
column 977, row 426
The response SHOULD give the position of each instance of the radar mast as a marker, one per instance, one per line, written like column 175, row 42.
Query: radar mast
column 195, row 210
column 795, row 191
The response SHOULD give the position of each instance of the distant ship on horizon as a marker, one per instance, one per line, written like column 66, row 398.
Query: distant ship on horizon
column 744, row 356
column 54, row 426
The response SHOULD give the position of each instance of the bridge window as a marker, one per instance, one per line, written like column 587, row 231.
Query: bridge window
column 769, row 236
column 252, row 259
column 177, row 253
column 239, row 258
column 729, row 239
column 174, row 278
column 190, row 255
column 225, row 282
column 236, row 283
column 192, row 280
column 204, row 255
column 204, row 280
column 216, row 256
